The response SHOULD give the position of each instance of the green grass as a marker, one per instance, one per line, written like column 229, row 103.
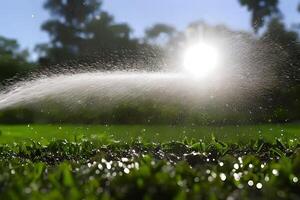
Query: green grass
column 158, row 133
column 149, row 162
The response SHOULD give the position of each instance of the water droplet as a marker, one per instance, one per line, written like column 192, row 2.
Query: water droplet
column 295, row 179
column 222, row 176
column 240, row 160
column 259, row 186
column 275, row 172
column 267, row 178
column 100, row 166
column 108, row 165
column 236, row 176
column 236, row 166
column 250, row 183
column 126, row 170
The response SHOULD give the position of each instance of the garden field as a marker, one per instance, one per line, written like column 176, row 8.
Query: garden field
column 149, row 162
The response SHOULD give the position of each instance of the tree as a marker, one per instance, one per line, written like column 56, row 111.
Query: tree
column 12, row 59
column 285, row 45
column 106, row 36
column 283, row 51
column 79, row 28
column 260, row 11
column 154, row 32
column 66, row 28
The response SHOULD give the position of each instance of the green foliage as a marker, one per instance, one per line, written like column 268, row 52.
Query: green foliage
column 286, row 43
column 137, row 170
column 284, row 98
column 12, row 59
column 154, row 32
column 260, row 10
column 81, row 28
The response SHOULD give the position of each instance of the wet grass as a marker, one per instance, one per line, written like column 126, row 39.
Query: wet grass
column 91, row 166
column 151, row 133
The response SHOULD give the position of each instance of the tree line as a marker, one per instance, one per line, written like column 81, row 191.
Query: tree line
column 82, row 28
column 82, row 32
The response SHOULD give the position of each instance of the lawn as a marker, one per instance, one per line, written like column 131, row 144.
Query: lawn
column 149, row 162
column 151, row 133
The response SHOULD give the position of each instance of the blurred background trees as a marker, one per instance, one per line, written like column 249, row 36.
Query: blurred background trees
column 153, row 34
column 260, row 10
column 81, row 29
column 13, row 60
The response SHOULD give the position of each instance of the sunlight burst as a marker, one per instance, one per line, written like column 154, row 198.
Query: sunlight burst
column 201, row 59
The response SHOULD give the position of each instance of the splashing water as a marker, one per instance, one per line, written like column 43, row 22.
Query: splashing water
column 108, row 89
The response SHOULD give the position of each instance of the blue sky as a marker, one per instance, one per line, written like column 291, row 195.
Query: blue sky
column 21, row 19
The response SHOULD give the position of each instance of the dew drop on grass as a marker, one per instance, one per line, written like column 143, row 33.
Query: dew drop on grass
column 267, row 178
column 100, row 166
column 222, row 176
column 136, row 165
column 250, row 183
column 108, row 165
column 120, row 164
column 275, row 172
column 236, row 166
column 240, row 160
column 237, row 176
column 126, row 170
column 295, row 179
column 259, row 186
column 213, row 174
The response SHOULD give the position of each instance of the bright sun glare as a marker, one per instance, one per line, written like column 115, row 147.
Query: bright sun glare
column 201, row 59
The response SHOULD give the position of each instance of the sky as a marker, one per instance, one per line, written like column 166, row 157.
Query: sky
column 22, row 19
